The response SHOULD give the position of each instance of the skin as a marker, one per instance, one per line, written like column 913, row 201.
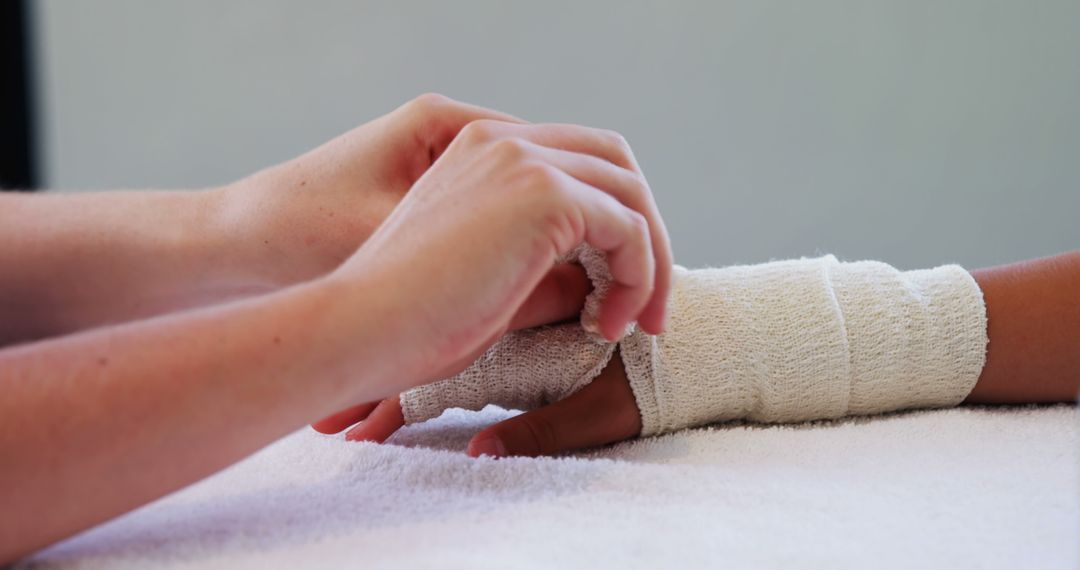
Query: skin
column 153, row 339
column 173, row 250
column 1033, row 315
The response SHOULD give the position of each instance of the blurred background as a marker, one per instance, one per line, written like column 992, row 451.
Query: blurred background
column 917, row 132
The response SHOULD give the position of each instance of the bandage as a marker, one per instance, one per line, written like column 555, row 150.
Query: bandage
column 530, row 368
column 523, row 370
column 786, row 341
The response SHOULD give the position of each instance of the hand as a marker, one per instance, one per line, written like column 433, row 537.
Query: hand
column 471, row 241
column 601, row 413
column 302, row 218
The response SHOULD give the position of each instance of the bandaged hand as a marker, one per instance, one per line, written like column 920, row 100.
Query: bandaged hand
column 577, row 401
column 601, row 412
column 779, row 342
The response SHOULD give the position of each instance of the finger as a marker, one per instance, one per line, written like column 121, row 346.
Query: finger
column 630, row 188
column 603, row 144
column 383, row 421
column 601, row 413
column 559, row 296
column 653, row 319
column 613, row 148
column 623, row 235
column 442, row 118
column 344, row 418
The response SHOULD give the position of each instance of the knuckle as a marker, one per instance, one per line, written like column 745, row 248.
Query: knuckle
column 640, row 184
column 541, row 177
column 512, row 149
column 639, row 223
column 616, row 139
column 620, row 146
column 479, row 131
column 428, row 102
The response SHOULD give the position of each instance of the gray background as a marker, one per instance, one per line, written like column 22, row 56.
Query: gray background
column 913, row 131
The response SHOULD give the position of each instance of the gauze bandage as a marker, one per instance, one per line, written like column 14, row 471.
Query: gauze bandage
column 530, row 368
column 784, row 341
column 522, row 371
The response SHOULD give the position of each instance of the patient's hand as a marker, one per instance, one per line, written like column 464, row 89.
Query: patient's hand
column 602, row 412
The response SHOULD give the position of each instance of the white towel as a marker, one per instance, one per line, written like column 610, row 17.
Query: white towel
column 965, row 487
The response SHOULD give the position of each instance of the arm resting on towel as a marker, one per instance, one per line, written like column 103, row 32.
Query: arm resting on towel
column 1033, row 325
column 1033, row 321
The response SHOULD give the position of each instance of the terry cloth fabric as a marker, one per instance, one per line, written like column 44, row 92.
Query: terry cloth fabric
column 957, row 488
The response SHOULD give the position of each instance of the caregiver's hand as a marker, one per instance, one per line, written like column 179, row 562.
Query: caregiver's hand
column 75, row 261
column 302, row 218
column 471, row 241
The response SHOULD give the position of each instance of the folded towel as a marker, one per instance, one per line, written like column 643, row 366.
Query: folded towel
column 965, row 487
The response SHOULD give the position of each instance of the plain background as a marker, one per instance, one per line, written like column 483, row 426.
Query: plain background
column 917, row 132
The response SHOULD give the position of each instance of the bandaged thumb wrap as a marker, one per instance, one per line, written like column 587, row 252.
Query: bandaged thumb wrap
column 785, row 341
column 530, row 368
column 523, row 370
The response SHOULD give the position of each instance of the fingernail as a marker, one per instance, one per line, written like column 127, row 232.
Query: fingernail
column 353, row 434
column 490, row 446
column 617, row 333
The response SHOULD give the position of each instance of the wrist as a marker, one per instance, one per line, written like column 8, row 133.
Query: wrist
column 361, row 325
column 284, row 227
column 222, row 236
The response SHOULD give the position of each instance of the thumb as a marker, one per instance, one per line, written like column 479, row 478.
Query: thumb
column 602, row 412
column 559, row 296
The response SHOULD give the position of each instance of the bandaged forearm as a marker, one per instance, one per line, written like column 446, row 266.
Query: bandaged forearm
column 785, row 341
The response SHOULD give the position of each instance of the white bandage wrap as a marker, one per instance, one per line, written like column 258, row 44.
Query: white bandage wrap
column 785, row 341
column 808, row 339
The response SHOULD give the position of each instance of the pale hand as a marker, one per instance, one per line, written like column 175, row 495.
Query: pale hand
column 302, row 218
column 505, row 200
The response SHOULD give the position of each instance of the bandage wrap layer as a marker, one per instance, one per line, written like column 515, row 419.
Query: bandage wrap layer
column 523, row 370
column 785, row 341
column 530, row 368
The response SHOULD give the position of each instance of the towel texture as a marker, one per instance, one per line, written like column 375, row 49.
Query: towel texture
column 785, row 341
column 956, row 488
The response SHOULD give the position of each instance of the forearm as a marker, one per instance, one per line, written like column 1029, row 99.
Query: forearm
column 97, row 423
column 1006, row 334
column 1033, row 327
column 73, row 261
column 1033, row 312
column 1033, row 323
